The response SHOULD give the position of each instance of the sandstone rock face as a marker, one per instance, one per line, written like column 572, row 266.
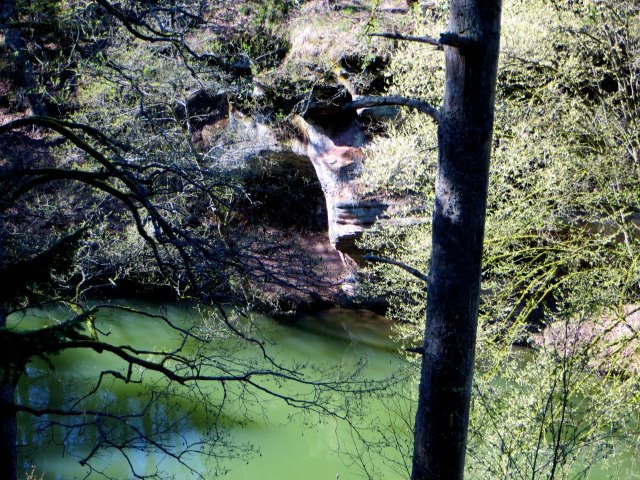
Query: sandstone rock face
column 331, row 153
column 338, row 161
column 350, row 220
column 610, row 338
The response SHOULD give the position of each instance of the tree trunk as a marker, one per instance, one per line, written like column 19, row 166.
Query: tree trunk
column 8, row 423
column 464, row 136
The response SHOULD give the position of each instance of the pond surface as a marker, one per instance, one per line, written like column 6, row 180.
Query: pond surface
column 282, row 442
column 287, row 444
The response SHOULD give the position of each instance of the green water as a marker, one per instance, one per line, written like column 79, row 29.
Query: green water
column 261, row 436
column 285, row 444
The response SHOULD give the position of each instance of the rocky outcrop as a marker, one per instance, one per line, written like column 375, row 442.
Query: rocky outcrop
column 608, row 341
column 338, row 159
column 337, row 166
column 329, row 150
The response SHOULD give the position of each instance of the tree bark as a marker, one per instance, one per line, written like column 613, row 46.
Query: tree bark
column 8, row 421
column 464, row 136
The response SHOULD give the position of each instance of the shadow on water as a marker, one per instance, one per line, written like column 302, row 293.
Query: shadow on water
column 271, row 440
column 287, row 444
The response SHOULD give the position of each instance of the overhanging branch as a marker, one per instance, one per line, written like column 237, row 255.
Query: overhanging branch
column 133, row 184
column 408, row 38
column 373, row 101
column 64, row 129
column 413, row 271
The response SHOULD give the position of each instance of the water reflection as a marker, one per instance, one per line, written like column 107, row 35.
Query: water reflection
column 288, row 443
column 253, row 436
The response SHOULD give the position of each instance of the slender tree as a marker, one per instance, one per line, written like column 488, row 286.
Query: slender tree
column 465, row 127
column 464, row 141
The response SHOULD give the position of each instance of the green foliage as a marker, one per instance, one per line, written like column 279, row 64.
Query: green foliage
column 269, row 12
column 544, row 417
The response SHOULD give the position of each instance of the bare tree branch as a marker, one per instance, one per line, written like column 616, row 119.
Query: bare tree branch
column 417, row 350
column 447, row 39
column 408, row 38
column 461, row 42
column 372, row 101
column 413, row 271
